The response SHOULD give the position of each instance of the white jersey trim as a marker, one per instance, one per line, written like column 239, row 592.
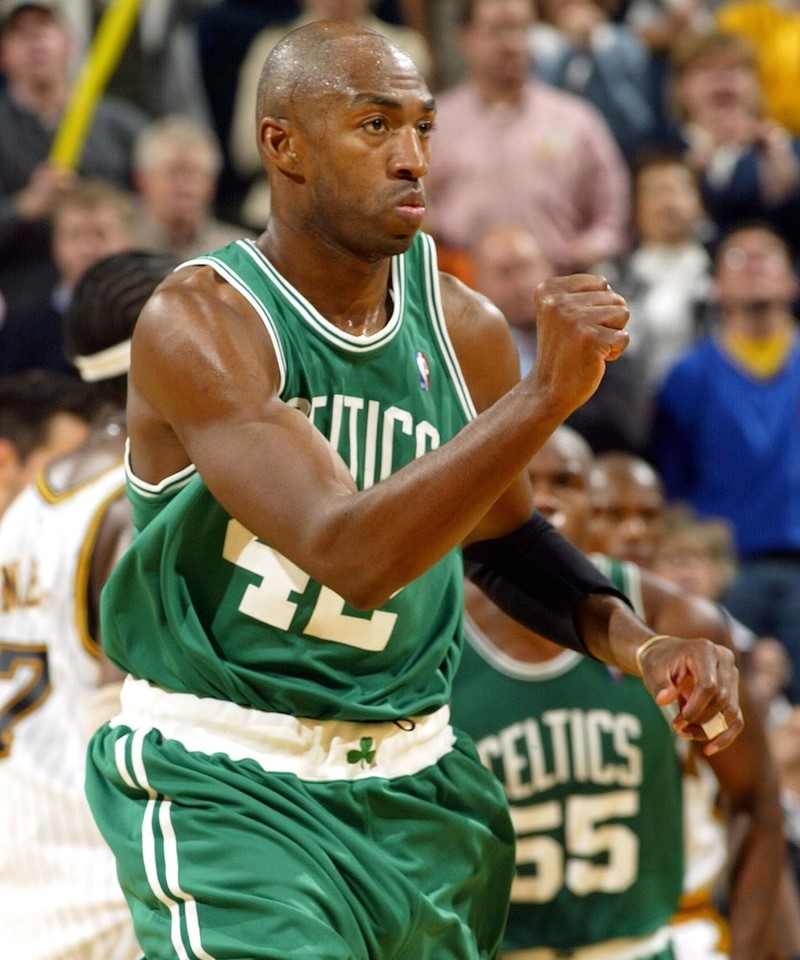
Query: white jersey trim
column 436, row 311
column 560, row 664
column 312, row 316
column 633, row 578
column 233, row 279
column 153, row 490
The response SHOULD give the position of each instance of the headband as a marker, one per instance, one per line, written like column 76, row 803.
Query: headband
column 108, row 363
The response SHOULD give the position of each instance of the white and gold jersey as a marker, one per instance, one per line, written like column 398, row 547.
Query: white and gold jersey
column 59, row 896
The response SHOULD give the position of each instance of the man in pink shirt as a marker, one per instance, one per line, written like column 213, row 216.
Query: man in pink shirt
column 510, row 148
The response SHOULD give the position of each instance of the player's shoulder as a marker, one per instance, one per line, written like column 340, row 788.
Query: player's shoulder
column 467, row 311
column 192, row 313
column 482, row 341
column 93, row 468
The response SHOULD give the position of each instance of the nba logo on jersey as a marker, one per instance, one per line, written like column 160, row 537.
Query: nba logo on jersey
column 424, row 370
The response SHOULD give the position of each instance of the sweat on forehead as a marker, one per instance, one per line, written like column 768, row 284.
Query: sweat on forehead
column 320, row 57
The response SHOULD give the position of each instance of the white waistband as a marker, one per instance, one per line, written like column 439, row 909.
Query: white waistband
column 621, row 948
column 310, row 749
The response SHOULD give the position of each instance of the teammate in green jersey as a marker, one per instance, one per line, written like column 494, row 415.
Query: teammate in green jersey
column 593, row 778
column 318, row 422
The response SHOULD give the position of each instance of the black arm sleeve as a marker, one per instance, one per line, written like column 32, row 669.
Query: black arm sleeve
column 536, row 576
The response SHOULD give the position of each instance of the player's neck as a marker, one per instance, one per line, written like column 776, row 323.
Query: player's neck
column 351, row 292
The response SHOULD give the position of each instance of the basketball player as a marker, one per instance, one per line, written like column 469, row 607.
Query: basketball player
column 594, row 776
column 59, row 895
column 306, row 458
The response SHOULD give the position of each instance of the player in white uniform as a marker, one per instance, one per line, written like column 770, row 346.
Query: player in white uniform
column 59, row 895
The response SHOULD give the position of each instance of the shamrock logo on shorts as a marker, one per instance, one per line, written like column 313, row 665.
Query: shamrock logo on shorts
column 363, row 756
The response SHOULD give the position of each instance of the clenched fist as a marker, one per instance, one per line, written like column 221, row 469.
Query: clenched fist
column 580, row 325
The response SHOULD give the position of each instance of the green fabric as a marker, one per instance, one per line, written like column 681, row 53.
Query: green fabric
column 246, row 863
column 198, row 605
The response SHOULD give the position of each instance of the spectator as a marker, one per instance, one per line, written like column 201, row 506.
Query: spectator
column 509, row 147
column 243, row 144
column 727, row 434
column 91, row 219
column 658, row 23
column 578, row 47
column 444, row 18
column 42, row 415
column 159, row 70
column 176, row 165
column 696, row 554
column 35, row 54
column 508, row 265
column 224, row 32
column 666, row 278
column 773, row 27
column 748, row 165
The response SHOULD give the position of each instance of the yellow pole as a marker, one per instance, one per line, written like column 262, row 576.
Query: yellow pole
column 109, row 41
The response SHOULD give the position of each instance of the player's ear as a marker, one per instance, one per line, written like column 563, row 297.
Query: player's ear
column 277, row 144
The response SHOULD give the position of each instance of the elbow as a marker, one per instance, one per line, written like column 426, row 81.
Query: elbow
column 360, row 567
column 364, row 581
column 363, row 589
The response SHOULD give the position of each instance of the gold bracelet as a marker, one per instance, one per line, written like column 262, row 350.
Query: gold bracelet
column 642, row 649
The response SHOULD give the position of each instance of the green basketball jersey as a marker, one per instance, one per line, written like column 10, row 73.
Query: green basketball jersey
column 589, row 764
column 199, row 605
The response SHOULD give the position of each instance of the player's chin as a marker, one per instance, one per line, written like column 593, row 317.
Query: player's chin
column 399, row 242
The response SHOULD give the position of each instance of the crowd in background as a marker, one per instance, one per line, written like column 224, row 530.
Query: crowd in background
column 654, row 141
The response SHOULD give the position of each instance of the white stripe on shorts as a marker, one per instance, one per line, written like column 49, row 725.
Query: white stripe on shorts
column 315, row 750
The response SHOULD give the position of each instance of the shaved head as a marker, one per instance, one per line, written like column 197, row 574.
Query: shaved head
column 620, row 466
column 571, row 445
column 316, row 59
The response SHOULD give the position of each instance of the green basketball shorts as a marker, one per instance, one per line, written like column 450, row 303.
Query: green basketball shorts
column 254, row 836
